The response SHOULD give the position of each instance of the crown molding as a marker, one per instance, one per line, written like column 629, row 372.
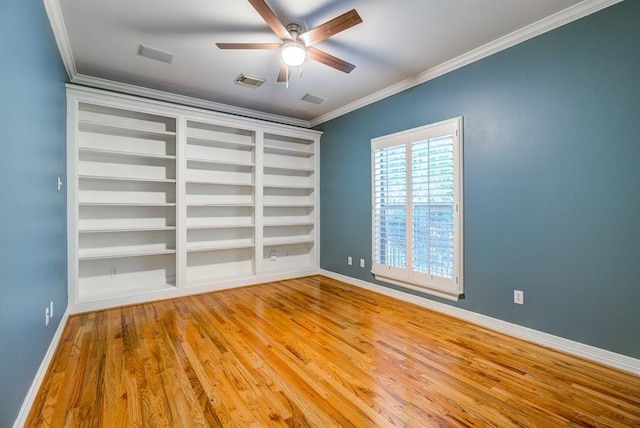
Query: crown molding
column 599, row 355
column 125, row 88
column 54, row 12
column 552, row 22
column 573, row 13
column 52, row 7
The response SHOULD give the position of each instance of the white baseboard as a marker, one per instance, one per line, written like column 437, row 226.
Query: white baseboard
column 612, row 359
column 37, row 381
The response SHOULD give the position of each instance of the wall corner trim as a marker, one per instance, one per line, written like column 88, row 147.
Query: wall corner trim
column 42, row 371
column 602, row 356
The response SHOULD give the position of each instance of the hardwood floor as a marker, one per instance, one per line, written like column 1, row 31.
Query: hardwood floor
column 315, row 352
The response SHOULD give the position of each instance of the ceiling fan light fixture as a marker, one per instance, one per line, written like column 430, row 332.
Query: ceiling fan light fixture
column 293, row 53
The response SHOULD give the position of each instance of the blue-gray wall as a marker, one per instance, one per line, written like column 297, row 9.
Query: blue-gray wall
column 32, row 213
column 552, row 178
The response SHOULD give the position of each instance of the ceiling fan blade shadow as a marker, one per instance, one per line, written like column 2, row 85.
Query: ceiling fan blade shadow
column 331, row 27
column 282, row 74
column 330, row 60
column 271, row 19
column 249, row 45
column 360, row 53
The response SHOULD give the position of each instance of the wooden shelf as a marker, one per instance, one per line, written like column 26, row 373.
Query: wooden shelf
column 126, row 204
column 128, row 229
column 126, row 131
column 217, row 279
column 219, row 142
column 287, row 186
column 219, row 226
column 288, row 168
column 219, row 183
column 132, row 290
column 286, row 241
column 118, row 153
column 287, row 205
column 222, row 204
column 192, row 247
column 286, row 151
column 220, row 162
column 119, row 253
column 288, row 223
column 112, row 178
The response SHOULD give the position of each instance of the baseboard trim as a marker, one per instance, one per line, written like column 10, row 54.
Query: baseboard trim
column 21, row 420
column 602, row 356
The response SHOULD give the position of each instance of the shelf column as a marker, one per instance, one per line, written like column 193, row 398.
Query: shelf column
column 181, row 205
column 259, row 198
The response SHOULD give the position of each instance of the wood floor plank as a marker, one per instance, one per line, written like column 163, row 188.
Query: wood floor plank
column 315, row 352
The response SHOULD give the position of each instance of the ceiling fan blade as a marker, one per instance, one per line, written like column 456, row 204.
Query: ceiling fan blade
column 329, row 28
column 271, row 19
column 282, row 75
column 249, row 45
column 330, row 60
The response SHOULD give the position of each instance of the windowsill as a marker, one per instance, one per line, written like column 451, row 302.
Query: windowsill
column 454, row 296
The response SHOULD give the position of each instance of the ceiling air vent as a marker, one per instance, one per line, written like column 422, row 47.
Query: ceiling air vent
column 249, row 81
column 313, row 99
column 156, row 54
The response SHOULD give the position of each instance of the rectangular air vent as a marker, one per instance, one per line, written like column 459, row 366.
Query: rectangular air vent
column 313, row 99
column 156, row 54
column 250, row 81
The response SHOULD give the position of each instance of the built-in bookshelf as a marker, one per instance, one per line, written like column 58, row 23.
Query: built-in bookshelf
column 167, row 200
column 126, row 202
column 289, row 195
column 220, row 193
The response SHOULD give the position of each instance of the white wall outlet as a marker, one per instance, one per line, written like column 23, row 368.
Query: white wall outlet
column 59, row 183
column 113, row 272
column 349, row 260
column 51, row 309
column 272, row 256
column 46, row 316
column 361, row 263
column 518, row 297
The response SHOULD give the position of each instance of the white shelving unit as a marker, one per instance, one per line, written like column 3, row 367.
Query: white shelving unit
column 124, row 165
column 167, row 200
column 220, row 193
column 289, row 217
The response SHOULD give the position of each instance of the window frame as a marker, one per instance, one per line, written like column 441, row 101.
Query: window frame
column 452, row 288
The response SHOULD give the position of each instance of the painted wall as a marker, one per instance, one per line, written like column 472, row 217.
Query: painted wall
column 33, row 212
column 552, row 179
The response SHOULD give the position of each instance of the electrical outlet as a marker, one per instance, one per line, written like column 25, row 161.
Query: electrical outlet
column 113, row 272
column 518, row 297
column 349, row 260
column 46, row 316
column 361, row 263
column 51, row 309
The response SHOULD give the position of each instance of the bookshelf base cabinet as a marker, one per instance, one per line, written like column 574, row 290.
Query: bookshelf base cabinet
column 166, row 200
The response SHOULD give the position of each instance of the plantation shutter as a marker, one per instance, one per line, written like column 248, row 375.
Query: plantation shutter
column 433, row 206
column 390, row 207
column 416, row 210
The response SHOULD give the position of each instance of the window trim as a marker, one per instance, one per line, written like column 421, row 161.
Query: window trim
column 450, row 289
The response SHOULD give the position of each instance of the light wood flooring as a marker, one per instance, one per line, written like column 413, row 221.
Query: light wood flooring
column 315, row 352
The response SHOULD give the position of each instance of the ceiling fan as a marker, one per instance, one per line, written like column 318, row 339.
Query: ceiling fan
column 296, row 45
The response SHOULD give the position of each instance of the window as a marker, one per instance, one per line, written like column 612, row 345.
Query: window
column 417, row 208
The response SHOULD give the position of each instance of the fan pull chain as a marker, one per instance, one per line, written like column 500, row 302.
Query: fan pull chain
column 287, row 75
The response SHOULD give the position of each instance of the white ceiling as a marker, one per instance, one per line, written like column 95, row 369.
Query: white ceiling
column 396, row 42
